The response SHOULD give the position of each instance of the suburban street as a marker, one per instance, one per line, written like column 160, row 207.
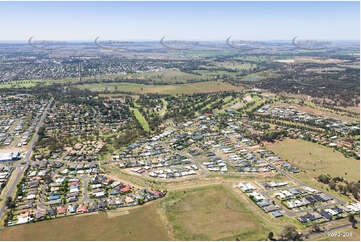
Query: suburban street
column 85, row 187
column 26, row 159
column 36, row 136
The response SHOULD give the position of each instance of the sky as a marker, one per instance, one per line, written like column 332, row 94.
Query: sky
column 179, row 20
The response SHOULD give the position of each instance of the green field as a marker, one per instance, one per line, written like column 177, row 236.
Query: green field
column 141, row 119
column 190, row 88
column 21, row 83
column 163, row 111
column 143, row 223
column 317, row 159
column 236, row 65
column 211, row 213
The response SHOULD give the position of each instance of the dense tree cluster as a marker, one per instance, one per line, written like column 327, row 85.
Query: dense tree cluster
column 341, row 185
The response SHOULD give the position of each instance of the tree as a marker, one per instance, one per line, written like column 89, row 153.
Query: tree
column 9, row 203
column 352, row 220
column 332, row 185
column 324, row 178
column 41, row 132
column 270, row 236
column 47, row 179
column 316, row 228
column 290, row 233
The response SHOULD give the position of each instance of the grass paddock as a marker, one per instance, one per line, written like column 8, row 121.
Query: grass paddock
column 317, row 159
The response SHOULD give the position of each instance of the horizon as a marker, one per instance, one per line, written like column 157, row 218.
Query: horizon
column 154, row 40
column 202, row 21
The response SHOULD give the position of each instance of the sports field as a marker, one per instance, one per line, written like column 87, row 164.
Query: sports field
column 317, row 159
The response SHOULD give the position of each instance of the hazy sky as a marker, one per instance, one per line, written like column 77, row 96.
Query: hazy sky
column 179, row 20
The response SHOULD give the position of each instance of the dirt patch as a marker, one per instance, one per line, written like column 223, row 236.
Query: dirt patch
column 236, row 106
column 115, row 213
column 319, row 60
column 308, row 109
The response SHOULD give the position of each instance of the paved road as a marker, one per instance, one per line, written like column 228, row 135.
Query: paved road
column 41, row 203
column 85, row 186
column 299, row 183
column 36, row 136
column 328, row 230
column 196, row 161
column 338, row 201
column 11, row 190
column 26, row 159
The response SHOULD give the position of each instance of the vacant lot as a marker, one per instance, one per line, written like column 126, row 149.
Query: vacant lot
column 211, row 213
column 143, row 223
column 191, row 88
column 317, row 159
column 326, row 113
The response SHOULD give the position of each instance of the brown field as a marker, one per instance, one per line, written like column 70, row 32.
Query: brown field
column 355, row 109
column 143, row 223
column 326, row 114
